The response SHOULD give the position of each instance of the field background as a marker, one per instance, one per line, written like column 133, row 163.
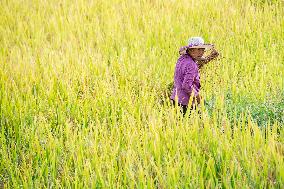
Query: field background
column 82, row 84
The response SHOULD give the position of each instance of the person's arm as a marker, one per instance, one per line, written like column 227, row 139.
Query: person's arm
column 188, row 79
column 214, row 54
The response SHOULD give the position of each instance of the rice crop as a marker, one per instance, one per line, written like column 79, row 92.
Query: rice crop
column 83, row 95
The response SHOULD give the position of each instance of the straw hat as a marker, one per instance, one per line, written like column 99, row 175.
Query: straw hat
column 198, row 42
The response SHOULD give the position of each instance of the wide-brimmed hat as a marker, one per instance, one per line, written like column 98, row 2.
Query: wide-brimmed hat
column 198, row 42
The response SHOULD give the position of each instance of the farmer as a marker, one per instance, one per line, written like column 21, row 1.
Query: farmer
column 186, row 77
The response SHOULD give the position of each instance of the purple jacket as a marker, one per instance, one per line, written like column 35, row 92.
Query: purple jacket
column 186, row 79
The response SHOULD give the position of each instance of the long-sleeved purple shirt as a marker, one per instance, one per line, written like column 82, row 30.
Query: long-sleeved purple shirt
column 186, row 79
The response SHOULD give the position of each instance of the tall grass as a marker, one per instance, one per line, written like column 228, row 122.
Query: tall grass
column 80, row 84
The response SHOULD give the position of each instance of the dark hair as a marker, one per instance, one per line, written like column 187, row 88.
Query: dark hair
column 187, row 51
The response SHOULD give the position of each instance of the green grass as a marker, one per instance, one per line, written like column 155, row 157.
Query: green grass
column 80, row 88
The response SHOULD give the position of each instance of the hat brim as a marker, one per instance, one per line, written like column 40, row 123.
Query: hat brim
column 204, row 46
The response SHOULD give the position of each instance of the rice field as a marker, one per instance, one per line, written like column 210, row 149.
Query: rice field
column 83, row 100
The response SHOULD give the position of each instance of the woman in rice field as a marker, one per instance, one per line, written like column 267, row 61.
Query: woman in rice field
column 186, row 77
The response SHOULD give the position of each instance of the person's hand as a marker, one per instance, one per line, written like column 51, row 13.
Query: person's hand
column 204, row 60
column 214, row 54
column 198, row 99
